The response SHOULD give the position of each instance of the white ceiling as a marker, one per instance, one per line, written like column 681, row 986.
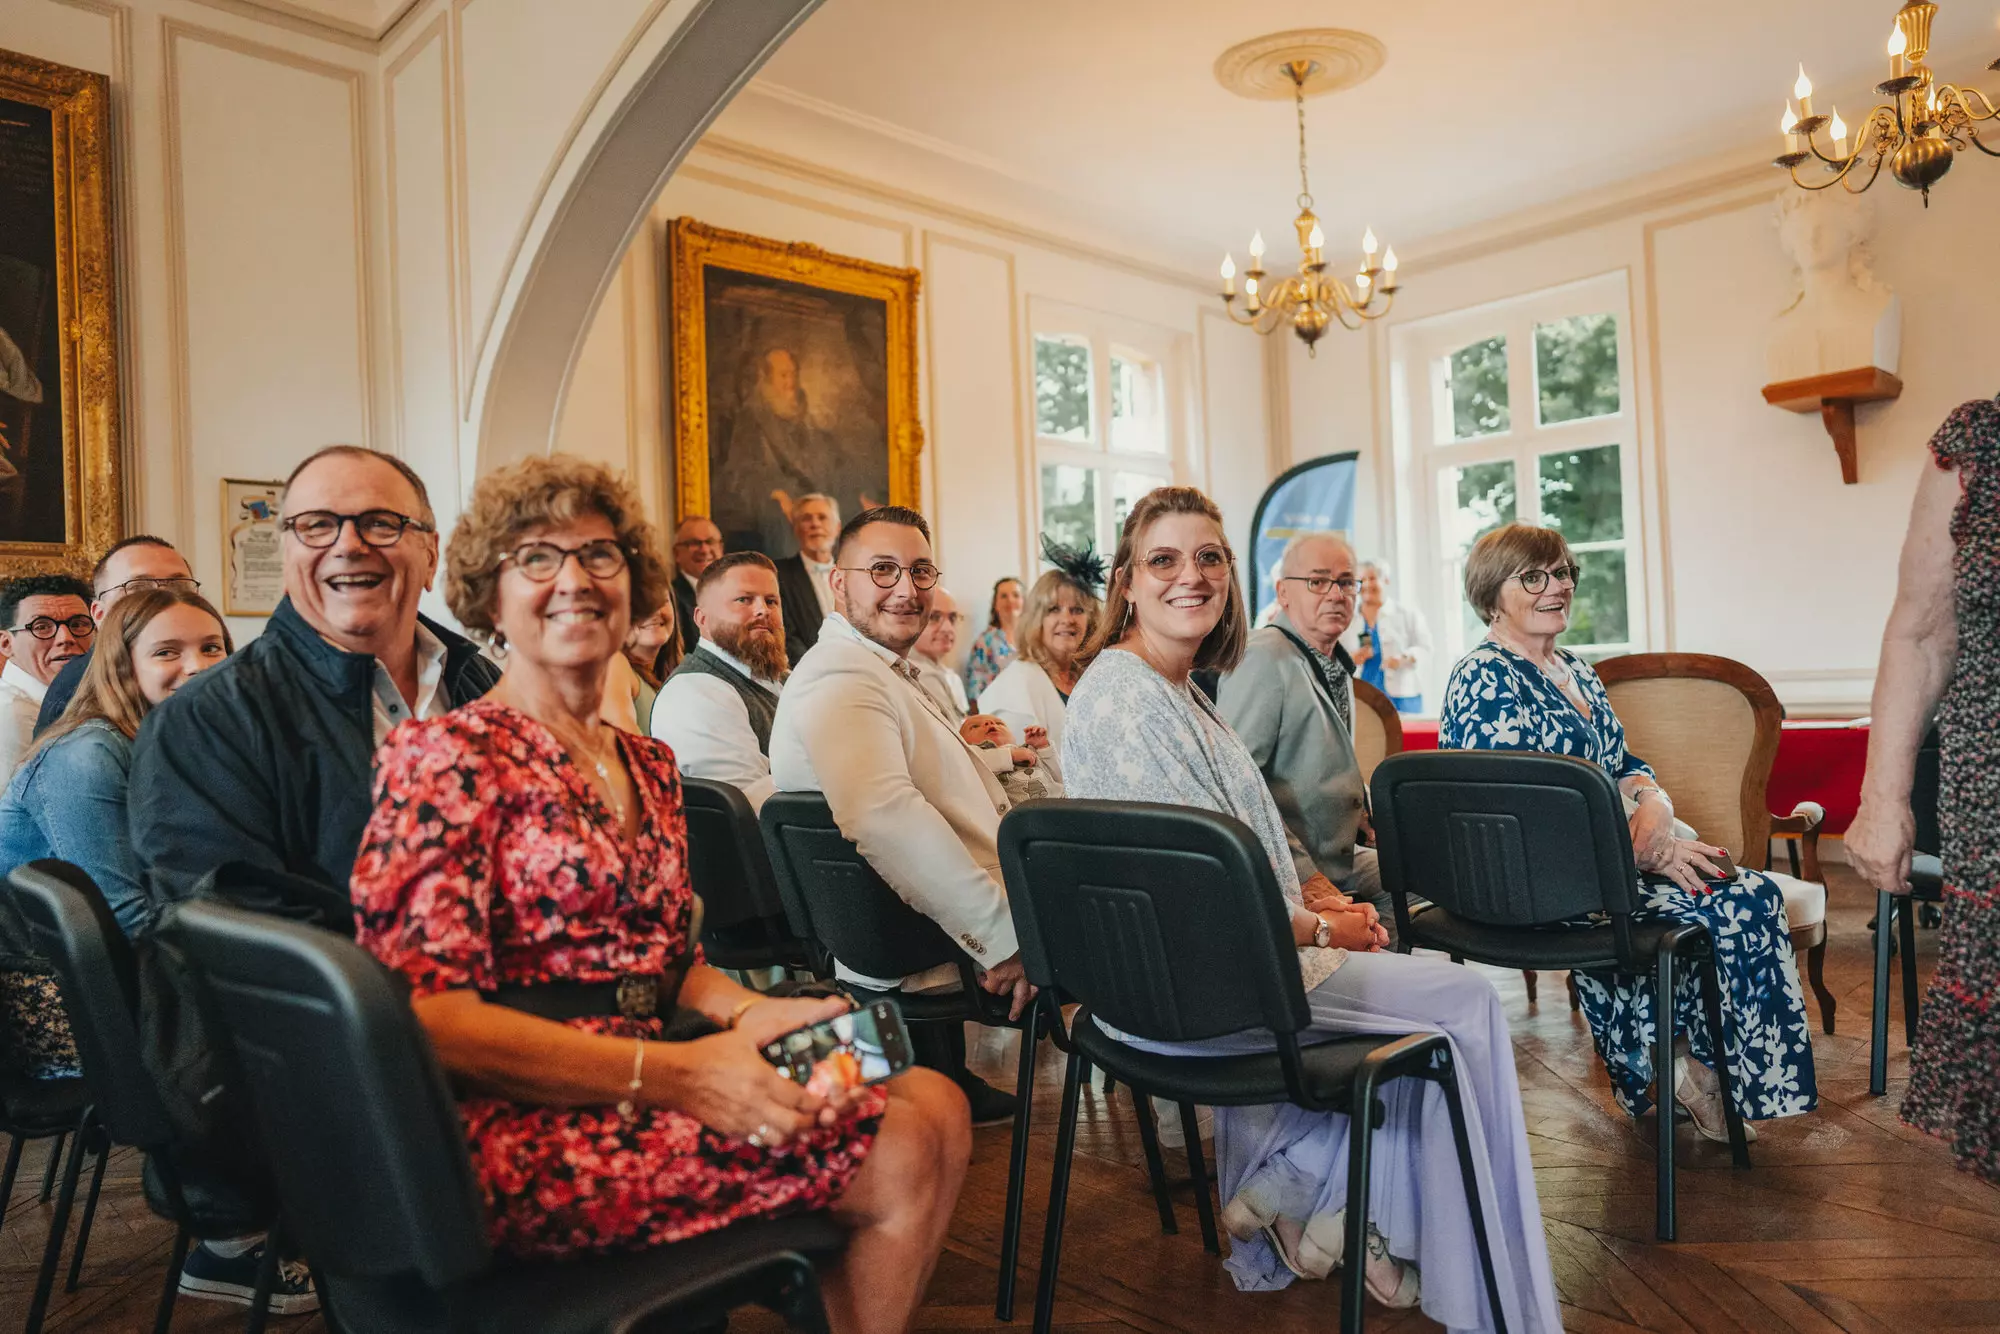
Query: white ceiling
column 1106, row 113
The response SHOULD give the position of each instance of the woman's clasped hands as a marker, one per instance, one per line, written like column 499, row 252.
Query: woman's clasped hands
column 727, row 1084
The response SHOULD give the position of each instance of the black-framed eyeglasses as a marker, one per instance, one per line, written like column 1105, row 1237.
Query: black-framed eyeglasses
column 180, row 583
column 1166, row 565
column 378, row 528
column 79, row 626
column 1320, row 585
column 542, row 561
column 887, row 573
column 1537, row 580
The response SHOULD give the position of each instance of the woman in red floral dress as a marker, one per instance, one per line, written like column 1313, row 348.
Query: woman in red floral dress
column 525, row 870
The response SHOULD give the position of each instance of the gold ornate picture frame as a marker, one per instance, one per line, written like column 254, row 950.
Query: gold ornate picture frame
column 794, row 371
column 60, row 502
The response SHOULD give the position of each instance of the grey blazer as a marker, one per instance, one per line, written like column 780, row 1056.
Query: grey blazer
column 1274, row 700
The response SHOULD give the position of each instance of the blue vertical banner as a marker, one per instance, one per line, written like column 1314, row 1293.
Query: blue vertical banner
column 1316, row 496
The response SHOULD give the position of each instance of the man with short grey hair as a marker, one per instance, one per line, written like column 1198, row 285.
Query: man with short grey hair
column 804, row 580
column 1291, row 699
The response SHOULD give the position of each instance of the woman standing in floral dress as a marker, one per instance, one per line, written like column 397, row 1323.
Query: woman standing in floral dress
column 525, row 869
column 1941, row 662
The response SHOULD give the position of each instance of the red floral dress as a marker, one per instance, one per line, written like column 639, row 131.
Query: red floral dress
column 490, row 860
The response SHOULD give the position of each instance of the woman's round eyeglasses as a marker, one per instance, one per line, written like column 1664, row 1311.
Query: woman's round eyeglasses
column 1165, row 565
column 887, row 573
column 1537, row 580
column 542, row 561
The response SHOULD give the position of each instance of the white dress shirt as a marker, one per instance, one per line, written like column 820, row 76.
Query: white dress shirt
column 20, row 703
column 703, row 721
column 822, row 589
column 922, row 808
column 390, row 709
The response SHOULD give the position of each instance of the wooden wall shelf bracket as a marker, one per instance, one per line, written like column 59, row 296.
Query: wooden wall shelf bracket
column 1833, row 397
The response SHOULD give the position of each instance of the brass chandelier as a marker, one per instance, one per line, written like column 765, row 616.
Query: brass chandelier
column 1915, row 132
column 1310, row 299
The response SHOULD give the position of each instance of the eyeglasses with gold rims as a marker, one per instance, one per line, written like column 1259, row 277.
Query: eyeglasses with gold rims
column 147, row 583
column 378, row 528
column 542, row 561
column 887, row 573
column 1166, row 564
column 1535, row 581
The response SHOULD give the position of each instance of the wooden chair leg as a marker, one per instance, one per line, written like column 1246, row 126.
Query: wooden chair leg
column 1816, row 978
column 1528, row 976
column 1575, row 1000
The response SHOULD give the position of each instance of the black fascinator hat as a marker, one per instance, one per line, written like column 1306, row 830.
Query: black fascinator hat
column 1085, row 568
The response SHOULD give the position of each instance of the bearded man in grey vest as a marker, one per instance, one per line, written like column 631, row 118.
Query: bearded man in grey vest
column 716, row 710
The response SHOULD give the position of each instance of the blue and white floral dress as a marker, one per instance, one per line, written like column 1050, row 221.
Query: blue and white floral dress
column 1499, row 700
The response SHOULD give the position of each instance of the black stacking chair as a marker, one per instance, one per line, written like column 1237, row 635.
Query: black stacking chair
column 1167, row 923
column 1505, row 845
column 1893, row 910
column 73, row 928
column 844, row 911
column 377, row 1184
column 743, row 923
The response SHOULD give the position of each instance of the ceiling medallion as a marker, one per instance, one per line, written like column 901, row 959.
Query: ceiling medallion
column 1298, row 65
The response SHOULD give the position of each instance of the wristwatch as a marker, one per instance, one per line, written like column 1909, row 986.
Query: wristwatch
column 1323, row 933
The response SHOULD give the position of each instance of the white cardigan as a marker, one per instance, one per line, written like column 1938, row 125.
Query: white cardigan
column 1023, row 696
column 912, row 796
column 1403, row 633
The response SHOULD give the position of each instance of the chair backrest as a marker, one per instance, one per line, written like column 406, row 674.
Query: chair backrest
column 73, row 929
column 373, row 1171
column 1165, row 920
column 1709, row 726
column 727, row 861
column 1924, row 787
column 835, row 900
column 1504, row 838
column 1378, row 728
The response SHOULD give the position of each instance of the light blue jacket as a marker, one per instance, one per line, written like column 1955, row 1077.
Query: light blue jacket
column 68, row 802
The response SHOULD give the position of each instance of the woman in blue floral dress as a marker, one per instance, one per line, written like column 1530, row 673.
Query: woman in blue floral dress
column 1518, row 691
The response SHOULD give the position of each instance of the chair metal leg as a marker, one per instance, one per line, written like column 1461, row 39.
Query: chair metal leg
column 1364, row 1114
column 15, row 1144
column 1907, row 920
column 1204, row 1207
column 1448, row 1081
column 1718, row 1019
column 45, row 1281
column 804, row 1310
column 163, row 1315
column 267, row 1278
column 1816, row 978
column 1156, row 1167
column 49, row 1172
column 1017, row 1168
column 103, row 1148
column 1663, row 1089
column 1878, row 1030
column 1045, row 1287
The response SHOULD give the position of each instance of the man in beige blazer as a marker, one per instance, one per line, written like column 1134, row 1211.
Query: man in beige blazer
column 854, row 725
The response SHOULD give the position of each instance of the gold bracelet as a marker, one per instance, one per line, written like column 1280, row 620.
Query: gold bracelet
column 743, row 1008
column 625, row 1108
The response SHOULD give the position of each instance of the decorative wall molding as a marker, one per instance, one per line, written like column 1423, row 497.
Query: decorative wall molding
column 744, row 185
column 437, row 30
column 311, row 22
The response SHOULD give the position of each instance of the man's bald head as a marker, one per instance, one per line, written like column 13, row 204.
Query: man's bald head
column 1310, row 551
column 1320, row 614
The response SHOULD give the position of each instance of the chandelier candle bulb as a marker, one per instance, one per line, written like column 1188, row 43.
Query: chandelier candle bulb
column 1838, row 129
column 1228, row 274
column 1897, row 45
column 1256, row 249
column 1785, row 124
column 1368, row 246
column 1803, row 91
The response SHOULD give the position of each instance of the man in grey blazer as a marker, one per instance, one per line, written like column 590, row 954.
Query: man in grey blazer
column 1291, row 699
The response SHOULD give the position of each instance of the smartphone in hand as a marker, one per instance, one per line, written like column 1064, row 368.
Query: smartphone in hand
column 864, row 1046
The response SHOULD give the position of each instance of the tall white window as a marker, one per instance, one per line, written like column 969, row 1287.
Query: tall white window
column 1103, row 436
column 1523, row 411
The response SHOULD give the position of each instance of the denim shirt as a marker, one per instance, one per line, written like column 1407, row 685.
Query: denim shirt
column 68, row 802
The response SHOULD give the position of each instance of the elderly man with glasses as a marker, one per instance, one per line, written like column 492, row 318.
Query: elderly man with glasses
column 268, row 759
column 136, row 565
column 47, row 624
column 1291, row 699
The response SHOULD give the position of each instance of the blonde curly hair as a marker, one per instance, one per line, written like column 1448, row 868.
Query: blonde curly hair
column 546, row 493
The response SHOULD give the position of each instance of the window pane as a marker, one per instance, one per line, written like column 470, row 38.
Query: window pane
column 1576, row 368
column 1126, row 490
column 1478, row 498
column 1597, row 612
column 1069, row 504
column 1062, row 388
column 1583, row 494
column 1477, row 379
column 1137, row 424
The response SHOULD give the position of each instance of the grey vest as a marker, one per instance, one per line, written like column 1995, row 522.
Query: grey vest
column 761, row 704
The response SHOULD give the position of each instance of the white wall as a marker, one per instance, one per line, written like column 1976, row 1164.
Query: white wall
column 975, row 327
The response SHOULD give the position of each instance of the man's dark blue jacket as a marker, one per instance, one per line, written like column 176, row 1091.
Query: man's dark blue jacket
column 267, row 759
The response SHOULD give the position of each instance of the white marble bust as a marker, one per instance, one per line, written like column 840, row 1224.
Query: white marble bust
column 1843, row 317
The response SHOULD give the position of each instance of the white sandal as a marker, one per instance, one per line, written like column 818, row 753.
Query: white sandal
column 1703, row 1107
column 1407, row 1289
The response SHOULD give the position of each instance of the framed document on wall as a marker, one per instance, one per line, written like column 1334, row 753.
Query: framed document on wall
column 60, row 506
column 253, row 559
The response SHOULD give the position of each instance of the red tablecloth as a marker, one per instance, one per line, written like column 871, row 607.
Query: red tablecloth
column 1819, row 759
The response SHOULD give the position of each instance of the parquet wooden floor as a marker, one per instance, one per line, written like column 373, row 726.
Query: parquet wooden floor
column 1848, row 1221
